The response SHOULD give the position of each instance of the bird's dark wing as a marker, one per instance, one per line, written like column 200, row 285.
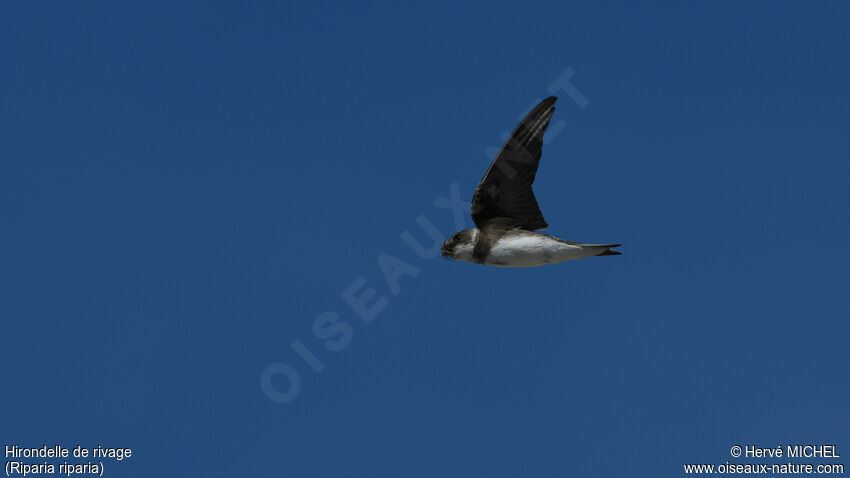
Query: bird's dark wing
column 505, row 191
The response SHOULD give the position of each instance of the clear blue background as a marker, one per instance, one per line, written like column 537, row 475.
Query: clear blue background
column 186, row 187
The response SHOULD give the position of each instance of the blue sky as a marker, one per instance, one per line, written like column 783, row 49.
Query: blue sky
column 186, row 188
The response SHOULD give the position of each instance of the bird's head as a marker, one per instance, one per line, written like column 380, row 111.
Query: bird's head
column 460, row 245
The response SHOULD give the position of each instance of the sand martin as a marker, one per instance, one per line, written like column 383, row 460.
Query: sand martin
column 506, row 212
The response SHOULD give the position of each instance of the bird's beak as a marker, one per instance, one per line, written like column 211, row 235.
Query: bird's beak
column 443, row 251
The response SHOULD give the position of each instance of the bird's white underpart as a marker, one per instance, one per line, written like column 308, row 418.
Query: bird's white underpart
column 529, row 249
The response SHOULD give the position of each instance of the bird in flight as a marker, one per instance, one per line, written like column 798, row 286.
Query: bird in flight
column 505, row 210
